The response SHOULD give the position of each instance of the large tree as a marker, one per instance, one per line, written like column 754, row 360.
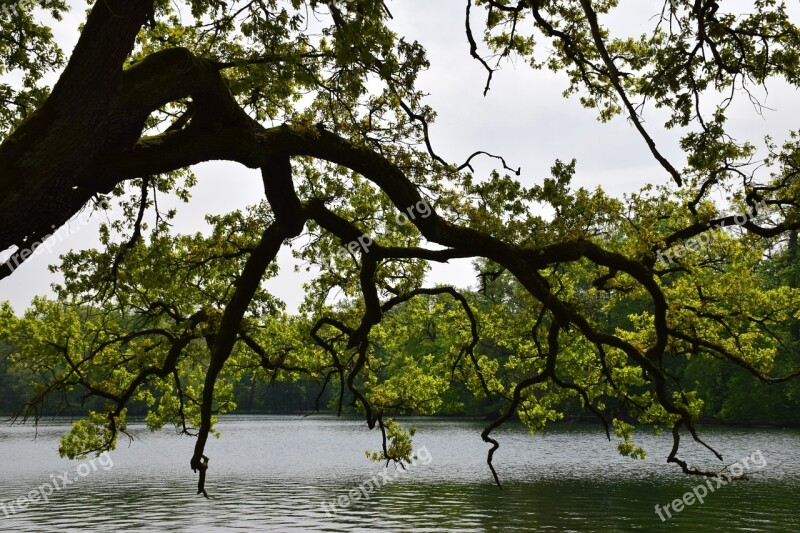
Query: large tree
column 320, row 97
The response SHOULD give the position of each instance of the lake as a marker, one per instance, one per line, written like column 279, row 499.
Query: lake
column 287, row 473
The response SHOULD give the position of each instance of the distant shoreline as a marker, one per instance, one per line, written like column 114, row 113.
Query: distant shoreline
column 5, row 418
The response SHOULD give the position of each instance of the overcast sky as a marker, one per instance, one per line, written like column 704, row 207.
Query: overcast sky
column 524, row 118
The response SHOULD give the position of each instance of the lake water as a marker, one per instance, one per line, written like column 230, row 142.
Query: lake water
column 284, row 473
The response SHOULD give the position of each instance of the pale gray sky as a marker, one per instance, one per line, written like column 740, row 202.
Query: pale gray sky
column 524, row 118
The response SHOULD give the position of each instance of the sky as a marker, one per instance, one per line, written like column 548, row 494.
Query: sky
column 524, row 118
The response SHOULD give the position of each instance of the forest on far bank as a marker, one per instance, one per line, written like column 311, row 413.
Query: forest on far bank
column 729, row 394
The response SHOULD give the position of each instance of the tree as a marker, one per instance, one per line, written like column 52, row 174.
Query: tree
column 154, row 87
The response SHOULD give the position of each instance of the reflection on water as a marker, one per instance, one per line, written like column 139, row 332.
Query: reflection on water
column 274, row 473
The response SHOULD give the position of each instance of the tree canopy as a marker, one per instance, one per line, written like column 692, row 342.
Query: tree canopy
column 588, row 297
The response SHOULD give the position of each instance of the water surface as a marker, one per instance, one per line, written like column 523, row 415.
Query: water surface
column 285, row 473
